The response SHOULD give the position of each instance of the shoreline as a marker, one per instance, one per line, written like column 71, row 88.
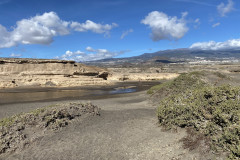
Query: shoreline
column 92, row 86
column 26, row 95
column 11, row 109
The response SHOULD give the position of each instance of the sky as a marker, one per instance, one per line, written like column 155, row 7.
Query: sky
column 84, row 30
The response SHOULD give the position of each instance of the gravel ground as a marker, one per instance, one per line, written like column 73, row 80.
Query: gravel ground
column 126, row 129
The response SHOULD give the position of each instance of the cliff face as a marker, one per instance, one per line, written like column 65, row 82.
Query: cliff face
column 43, row 72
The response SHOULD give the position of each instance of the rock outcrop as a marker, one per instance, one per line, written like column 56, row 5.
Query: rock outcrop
column 19, row 72
column 139, row 74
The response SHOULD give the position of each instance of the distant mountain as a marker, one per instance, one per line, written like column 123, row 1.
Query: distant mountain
column 172, row 56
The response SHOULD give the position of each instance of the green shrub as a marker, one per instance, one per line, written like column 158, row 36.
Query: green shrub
column 220, row 75
column 158, row 87
column 214, row 111
column 179, row 84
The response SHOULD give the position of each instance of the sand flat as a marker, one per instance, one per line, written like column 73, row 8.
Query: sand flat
column 126, row 129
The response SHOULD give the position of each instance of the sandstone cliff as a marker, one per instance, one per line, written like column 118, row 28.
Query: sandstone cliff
column 19, row 72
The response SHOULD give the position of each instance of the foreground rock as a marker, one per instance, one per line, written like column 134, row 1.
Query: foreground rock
column 21, row 130
column 19, row 72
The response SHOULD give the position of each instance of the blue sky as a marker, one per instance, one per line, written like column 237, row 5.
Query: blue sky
column 94, row 29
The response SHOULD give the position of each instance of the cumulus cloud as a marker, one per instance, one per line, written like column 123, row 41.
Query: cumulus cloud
column 15, row 55
column 5, row 38
column 92, row 26
column 216, row 24
column 165, row 27
column 91, row 55
column 212, row 45
column 42, row 28
column 37, row 30
column 125, row 33
column 223, row 9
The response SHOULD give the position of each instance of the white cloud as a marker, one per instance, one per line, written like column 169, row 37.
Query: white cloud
column 125, row 33
column 5, row 38
column 212, row 45
column 42, row 28
column 39, row 30
column 197, row 23
column 70, row 54
column 184, row 14
column 52, row 21
column 92, row 26
column 166, row 27
column 15, row 55
column 223, row 9
column 90, row 49
column 95, row 54
column 216, row 24
column 197, row 20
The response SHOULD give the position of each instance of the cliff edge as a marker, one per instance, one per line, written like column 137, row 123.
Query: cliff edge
column 23, row 72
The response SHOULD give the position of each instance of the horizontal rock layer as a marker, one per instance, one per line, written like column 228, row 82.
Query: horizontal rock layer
column 16, row 72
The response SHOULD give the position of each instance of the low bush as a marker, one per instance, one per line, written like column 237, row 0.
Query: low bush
column 213, row 111
column 180, row 84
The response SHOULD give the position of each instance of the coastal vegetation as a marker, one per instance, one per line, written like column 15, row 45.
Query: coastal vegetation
column 190, row 101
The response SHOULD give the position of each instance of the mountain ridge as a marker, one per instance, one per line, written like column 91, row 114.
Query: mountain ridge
column 174, row 55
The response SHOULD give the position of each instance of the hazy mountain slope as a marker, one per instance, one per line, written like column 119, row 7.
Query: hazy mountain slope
column 174, row 55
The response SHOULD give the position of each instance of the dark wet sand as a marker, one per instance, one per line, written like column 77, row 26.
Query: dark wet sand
column 22, row 95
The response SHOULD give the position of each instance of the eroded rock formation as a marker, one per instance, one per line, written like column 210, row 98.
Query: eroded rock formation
column 17, row 72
